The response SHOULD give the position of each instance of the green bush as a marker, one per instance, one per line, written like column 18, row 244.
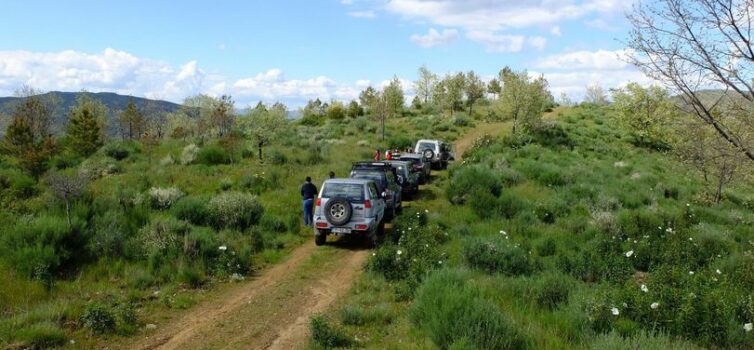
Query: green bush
column 191, row 276
column 324, row 334
column 212, row 155
column 192, row 209
column 21, row 185
column 509, row 205
column 551, row 290
column 496, row 255
column 99, row 318
column 451, row 310
column 467, row 179
column 360, row 316
column 120, row 150
column 234, row 210
column 162, row 235
column 256, row 183
column 641, row 340
column 40, row 336
column 276, row 157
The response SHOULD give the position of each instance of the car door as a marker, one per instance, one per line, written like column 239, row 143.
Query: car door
column 395, row 188
column 379, row 202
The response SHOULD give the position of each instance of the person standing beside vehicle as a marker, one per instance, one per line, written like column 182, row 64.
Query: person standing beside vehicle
column 331, row 174
column 377, row 154
column 308, row 192
column 388, row 154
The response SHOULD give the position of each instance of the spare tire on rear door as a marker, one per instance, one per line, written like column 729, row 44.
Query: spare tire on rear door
column 428, row 154
column 338, row 211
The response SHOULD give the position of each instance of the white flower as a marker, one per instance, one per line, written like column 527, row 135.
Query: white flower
column 399, row 252
column 409, row 229
column 690, row 239
column 748, row 327
column 426, row 210
column 629, row 253
column 691, row 272
column 374, row 254
column 654, row 305
column 615, row 311
column 440, row 262
column 718, row 272
column 644, row 288
column 688, row 205
column 223, row 248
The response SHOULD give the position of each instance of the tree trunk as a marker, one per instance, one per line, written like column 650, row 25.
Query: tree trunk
column 67, row 210
column 260, row 150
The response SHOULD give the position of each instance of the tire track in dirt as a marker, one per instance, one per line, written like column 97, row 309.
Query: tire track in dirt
column 271, row 311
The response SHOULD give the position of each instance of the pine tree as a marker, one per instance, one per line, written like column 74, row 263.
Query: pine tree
column 85, row 127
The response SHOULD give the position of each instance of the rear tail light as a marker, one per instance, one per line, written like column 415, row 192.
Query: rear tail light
column 318, row 202
column 360, row 227
column 368, row 204
column 321, row 225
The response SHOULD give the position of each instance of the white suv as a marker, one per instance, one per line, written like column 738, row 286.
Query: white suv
column 436, row 151
column 349, row 207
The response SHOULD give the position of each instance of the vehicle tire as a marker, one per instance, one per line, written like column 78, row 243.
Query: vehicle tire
column 338, row 211
column 320, row 239
column 428, row 154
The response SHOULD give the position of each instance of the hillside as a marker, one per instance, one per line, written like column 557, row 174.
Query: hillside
column 114, row 102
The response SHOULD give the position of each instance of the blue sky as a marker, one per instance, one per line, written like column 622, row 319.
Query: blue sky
column 295, row 50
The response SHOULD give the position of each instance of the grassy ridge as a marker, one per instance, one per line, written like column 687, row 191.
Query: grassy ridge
column 579, row 239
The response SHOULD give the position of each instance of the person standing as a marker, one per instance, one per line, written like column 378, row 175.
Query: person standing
column 308, row 192
column 331, row 174
column 377, row 154
column 388, row 154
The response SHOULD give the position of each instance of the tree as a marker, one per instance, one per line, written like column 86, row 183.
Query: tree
column 523, row 99
column 425, row 84
column 155, row 119
column 263, row 126
column 368, row 98
column 131, row 122
column 21, row 143
column 354, row 109
column 595, row 94
column 37, row 110
column 456, row 86
column 223, row 115
column 313, row 109
column 693, row 45
column 336, row 111
column 68, row 186
column 85, row 124
column 393, row 95
column 565, row 100
column 199, row 109
column 416, row 103
column 475, row 89
column 644, row 112
column 493, row 87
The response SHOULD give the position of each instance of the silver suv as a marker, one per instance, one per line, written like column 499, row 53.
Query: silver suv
column 349, row 207
column 437, row 152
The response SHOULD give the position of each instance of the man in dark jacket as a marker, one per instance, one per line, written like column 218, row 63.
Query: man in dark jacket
column 308, row 193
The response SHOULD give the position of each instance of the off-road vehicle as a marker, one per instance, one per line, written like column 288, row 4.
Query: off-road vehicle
column 406, row 178
column 419, row 166
column 349, row 207
column 438, row 152
column 384, row 176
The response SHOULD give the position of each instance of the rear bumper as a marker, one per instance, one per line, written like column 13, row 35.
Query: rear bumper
column 361, row 226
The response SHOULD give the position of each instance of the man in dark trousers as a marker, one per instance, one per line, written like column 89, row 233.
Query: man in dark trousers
column 308, row 193
column 332, row 174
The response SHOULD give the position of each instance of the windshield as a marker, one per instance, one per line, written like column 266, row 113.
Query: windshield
column 425, row 145
column 368, row 175
column 352, row 192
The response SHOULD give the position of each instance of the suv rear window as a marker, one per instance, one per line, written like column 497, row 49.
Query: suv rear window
column 352, row 192
column 425, row 145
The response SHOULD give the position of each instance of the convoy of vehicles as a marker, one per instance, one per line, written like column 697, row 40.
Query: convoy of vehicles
column 374, row 191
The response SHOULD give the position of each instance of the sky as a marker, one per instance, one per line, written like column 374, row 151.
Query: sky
column 292, row 51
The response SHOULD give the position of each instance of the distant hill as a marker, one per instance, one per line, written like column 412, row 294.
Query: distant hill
column 114, row 102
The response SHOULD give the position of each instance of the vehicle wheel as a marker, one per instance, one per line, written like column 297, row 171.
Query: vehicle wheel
column 428, row 154
column 320, row 239
column 338, row 211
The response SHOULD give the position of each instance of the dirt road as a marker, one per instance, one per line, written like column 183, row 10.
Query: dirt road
column 271, row 311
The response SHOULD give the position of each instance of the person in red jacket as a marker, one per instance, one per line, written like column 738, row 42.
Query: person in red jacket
column 388, row 154
column 377, row 154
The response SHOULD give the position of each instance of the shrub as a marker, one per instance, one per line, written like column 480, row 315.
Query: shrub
column 110, row 232
column 465, row 180
column 509, row 205
column 22, row 185
column 189, row 153
column 213, row 155
column 256, row 183
column 164, row 198
column 277, row 157
column 461, row 121
column 360, row 316
column 40, row 335
column 234, row 210
column 496, row 255
column 552, row 289
column 641, row 340
column 272, row 224
column 191, row 276
column 450, row 311
column 162, row 234
column 118, row 150
column 483, row 203
column 191, row 209
column 324, row 334
column 98, row 318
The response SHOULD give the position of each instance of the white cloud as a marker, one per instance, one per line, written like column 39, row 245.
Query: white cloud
column 537, row 42
column 124, row 73
column 498, row 42
column 362, row 14
column 490, row 22
column 556, row 31
column 434, row 38
column 600, row 59
column 346, row 2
